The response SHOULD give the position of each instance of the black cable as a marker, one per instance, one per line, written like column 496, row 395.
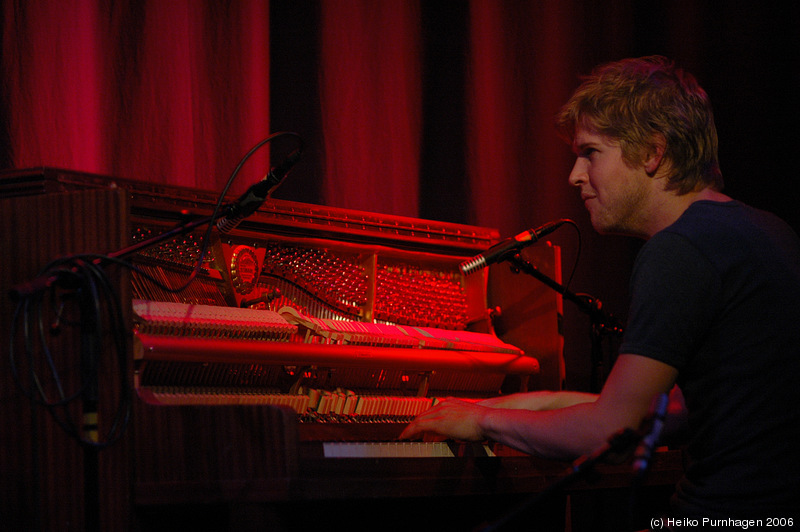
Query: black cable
column 92, row 294
column 218, row 209
column 577, row 252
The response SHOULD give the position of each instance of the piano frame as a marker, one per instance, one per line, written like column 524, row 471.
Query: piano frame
column 234, row 456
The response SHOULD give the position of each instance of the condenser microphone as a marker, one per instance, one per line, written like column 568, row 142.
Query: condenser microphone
column 257, row 194
column 501, row 250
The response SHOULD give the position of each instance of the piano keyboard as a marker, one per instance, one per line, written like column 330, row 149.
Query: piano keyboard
column 408, row 449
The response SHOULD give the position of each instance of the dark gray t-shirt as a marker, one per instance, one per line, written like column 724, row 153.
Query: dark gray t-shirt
column 717, row 296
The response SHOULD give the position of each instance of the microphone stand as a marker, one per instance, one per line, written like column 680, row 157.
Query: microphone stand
column 66, row 278
column 88, row 361
column 603, row 324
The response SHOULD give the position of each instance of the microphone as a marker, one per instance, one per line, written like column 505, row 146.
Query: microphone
column 257, row 194
column 500, row 250
column 644, row 452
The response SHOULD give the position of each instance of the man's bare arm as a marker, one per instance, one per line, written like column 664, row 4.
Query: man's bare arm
column 563, row 432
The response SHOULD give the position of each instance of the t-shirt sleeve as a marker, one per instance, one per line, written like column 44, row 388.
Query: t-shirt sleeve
column 674, row 294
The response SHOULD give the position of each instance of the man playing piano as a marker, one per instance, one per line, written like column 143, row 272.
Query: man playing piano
column 715, row 305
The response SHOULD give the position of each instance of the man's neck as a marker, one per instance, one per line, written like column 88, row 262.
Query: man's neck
column 672, row 206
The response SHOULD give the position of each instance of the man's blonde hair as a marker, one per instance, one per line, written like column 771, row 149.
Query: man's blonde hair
column 637, row 102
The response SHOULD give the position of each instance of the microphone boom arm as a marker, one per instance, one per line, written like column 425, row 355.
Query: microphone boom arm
column 602, row 323
column 588, row 305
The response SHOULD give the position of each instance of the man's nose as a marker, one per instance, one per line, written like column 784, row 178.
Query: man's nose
column 578, row 174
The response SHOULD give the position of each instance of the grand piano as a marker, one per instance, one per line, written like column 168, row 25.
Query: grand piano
column 269, row 393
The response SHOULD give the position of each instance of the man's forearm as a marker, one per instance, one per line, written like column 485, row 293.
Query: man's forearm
column 563, row 433
column 540, row 400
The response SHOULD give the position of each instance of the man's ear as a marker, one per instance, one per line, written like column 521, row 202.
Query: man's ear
column 655, row 155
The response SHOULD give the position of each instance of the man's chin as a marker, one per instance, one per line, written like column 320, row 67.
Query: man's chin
column 601, row 226
column 605, row 227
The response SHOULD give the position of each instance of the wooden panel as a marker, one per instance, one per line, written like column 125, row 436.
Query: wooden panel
column 529, row 312
column 213, row 453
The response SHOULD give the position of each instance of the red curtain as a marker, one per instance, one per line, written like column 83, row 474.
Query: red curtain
column 170, row 92
column 371, row 104
column 520, row 77
column 176, row 92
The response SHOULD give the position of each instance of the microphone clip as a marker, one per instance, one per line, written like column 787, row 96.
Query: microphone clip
column 257, row 194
